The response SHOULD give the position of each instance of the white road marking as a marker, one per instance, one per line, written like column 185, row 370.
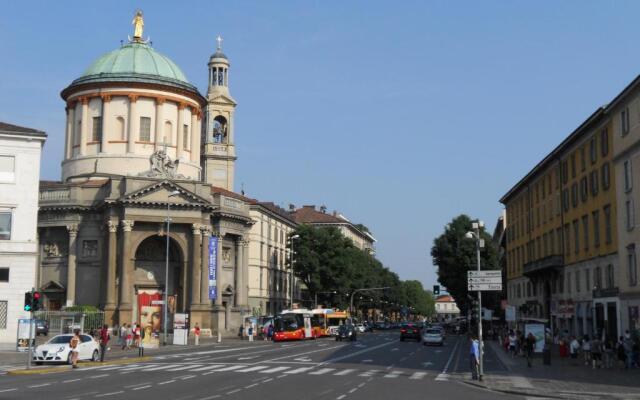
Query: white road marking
column 247, row 358
column 256, row 368
column 367, row 360
column 427, row 364
column 443, row 376
column 321, row 371
column 395, row 349
column 393, row 374
column 131, row 368
column 418, row 375
column 341, row 397
column 8, row 390
column 521, row 382
column 234, row 391
column 41, row 385
column 161, row 367
column 353, row 390
column 303, row 359
column 109, row 394
column 250, row 386
column 231, row 368
column 184, row 378
column 371, row 372
column 98, row 376
column 185, row 367
column 298, row 370
column 215, row 396
column 137, row 384
column 71, row 380
column 167, row 382
column 142, row 387
column 344, row 372
column 274, row 370
column 208, row 367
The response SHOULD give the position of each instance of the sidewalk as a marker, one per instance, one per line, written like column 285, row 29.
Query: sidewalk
column 564, row 378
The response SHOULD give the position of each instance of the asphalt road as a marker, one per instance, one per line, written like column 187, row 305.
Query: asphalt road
column 377, row 366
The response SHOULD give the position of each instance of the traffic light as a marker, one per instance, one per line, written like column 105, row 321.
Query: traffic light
column 35, row 301
column 436, row 289
column 28, row 301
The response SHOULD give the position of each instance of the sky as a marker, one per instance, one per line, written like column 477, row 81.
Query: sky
column 399, row 115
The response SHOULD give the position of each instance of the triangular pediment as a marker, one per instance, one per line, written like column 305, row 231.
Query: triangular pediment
column 52, row 286
column 222, row 99
column 160, row 192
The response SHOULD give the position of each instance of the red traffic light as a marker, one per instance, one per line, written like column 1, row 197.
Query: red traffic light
column 36, row 295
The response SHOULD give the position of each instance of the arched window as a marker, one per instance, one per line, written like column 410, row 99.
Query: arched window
column 120, row 132
column 168, row 132
column 219, row 129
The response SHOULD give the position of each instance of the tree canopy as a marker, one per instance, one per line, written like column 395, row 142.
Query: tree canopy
column 327, row 261
column 454, row 255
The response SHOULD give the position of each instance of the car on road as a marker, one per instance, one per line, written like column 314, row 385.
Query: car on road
column 57, row 350
column 42, row 327
column 409, row 331
column 346, row 332
column 360, row 328
column 433, row 336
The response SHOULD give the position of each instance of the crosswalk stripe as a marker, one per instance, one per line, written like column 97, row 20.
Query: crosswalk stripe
column 344, row 372
column 129, row 368
column 162, row 367
column 257, row 368
column 369, row 373
column 321, row 371
column 418, row 375
column 393, row 374
column 231, row 368
column 299, row 370
column 273, row 370
column 185, row 367
column 208, row 367
column 110, row 367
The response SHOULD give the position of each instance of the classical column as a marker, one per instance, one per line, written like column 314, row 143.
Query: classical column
column 179, row 132
column 68, row 140
column 71, row 264
column 218, row 300
column 127, row 266
column 133, row 116
column 240, row 278
column 195, row 265
column 106, row 106
column 159, row 123
column 195, row 135
column 204, row 269
column 245, row 271
column 111, row 264
column 84, row 127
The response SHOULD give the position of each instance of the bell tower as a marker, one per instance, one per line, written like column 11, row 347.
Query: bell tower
column 218, row 149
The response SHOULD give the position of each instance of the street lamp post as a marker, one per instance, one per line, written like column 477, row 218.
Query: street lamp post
column 475, row 234
column 294, row 237
column 166, row 271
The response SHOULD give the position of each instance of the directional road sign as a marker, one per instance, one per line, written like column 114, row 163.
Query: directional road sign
column 484, row 286
column 484, row 280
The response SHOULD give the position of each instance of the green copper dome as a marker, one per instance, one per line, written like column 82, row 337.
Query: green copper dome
column 135, row 62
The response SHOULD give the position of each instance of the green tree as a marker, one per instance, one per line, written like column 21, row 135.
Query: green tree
column 454, row 255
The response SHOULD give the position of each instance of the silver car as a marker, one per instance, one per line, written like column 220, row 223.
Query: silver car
column 433, row 336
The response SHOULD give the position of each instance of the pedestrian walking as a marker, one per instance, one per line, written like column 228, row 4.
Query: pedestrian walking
column 250, row 332
column 474, row 357
column 622, row 359
column 529, row 346
column 104, row 341
column 628, row 350
column 129, row 336
column 586, row 350
column 136, row 334
column 241, row 332
column 143, row 334
column 596, row 352
column 513, row 343
column 74, row 343
column 574, row 348
column 123, row 336
column 196, row 334
column 270, row 332
column 608, row 354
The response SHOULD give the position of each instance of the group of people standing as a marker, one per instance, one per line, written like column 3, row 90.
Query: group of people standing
column 265, row 332
column 599, row 353
column 131, row 336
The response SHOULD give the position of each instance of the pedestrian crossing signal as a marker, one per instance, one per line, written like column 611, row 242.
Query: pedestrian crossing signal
column 35, row 301
column 28, row 301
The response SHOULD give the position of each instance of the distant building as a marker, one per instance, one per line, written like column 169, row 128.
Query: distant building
column 20, row 150
column 446, row 308
column 358, row 234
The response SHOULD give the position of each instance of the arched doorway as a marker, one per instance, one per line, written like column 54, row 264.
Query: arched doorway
column 149, row 281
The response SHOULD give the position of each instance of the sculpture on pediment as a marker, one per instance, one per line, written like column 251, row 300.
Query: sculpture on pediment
column 162, row 166
column 52, row 249
column 226, row 254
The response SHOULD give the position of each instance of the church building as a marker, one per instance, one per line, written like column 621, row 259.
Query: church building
column 147, row 158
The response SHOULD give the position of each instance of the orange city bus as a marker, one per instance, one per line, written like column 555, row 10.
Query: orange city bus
column 293, row 325
column 334, row 319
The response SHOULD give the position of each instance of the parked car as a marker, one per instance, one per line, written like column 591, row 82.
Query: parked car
column 360, row 328
column 42, row 327
column 409, row 331
column 57, row 350
column 433, row 336
column 346, row 332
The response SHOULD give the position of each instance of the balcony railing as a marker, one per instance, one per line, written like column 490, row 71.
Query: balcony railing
column 543, row 264
column 54, row 195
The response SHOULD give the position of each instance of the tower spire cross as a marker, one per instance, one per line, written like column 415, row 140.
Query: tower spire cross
column 219, row 40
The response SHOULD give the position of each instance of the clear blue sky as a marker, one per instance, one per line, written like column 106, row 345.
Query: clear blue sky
column 400, row 115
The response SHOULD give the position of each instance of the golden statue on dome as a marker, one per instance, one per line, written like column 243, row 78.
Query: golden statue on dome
column 138, row 25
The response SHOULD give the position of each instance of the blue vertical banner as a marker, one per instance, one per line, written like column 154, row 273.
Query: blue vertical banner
column 213, row 264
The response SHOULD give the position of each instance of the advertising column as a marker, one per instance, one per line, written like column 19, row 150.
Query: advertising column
column 213, row 265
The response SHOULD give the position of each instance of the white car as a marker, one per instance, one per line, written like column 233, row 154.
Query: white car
column 360, row 328
column 57, row 350
column 433, row 336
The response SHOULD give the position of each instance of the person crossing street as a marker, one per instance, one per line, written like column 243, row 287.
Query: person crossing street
column 529, row 347
column 104, row 341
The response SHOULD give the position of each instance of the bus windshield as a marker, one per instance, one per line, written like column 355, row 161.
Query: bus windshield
column 288, row 323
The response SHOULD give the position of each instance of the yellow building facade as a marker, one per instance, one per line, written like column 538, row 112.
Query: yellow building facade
column 562, row 238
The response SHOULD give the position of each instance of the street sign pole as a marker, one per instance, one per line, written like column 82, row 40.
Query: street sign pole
column 480, row 372
column 30, row 331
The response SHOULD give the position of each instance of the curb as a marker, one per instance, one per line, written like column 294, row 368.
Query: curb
column 53, row 370
column 516, row 392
